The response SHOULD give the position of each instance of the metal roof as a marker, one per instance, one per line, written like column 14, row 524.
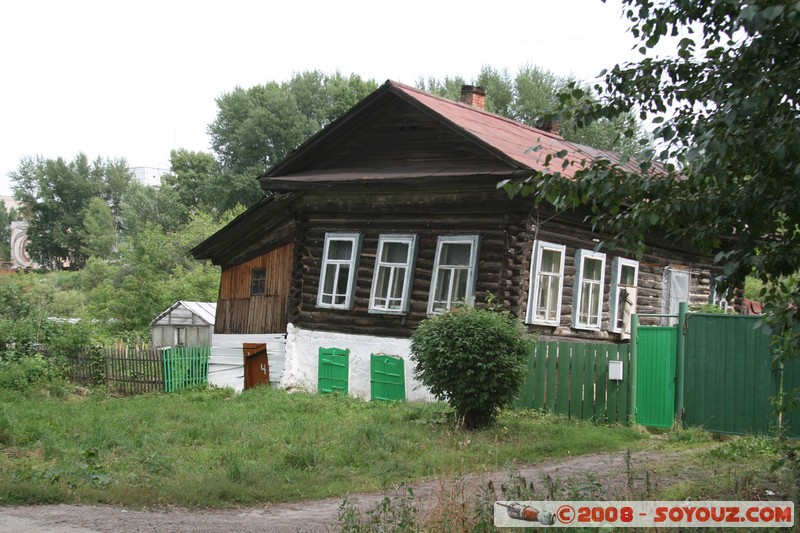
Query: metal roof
column 206, row 311
column 522, row 147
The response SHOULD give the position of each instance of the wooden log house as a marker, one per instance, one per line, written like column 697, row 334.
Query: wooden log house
column 392, row 213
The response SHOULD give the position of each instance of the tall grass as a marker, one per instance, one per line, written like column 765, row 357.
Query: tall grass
column 214, row 448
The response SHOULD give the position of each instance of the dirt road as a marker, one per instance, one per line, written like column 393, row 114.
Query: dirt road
column 607, row 473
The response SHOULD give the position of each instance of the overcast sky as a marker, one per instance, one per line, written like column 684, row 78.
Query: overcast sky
column 137, row 79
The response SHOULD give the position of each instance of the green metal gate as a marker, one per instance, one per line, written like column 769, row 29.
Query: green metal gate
column 728, row 379
column 655, row 375
column 387, row 378
column 334, row 369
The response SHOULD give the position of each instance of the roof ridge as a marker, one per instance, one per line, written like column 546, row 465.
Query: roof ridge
column 427, row 94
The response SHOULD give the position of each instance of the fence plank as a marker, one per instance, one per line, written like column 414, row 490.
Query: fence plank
column 552, row 373
column 562, row 387
column 577, row 368
column 601, row 408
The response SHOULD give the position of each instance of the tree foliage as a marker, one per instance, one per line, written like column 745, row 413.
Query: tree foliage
column 727, row 109
column 54, row 196
column 532, row 97
column 473, row 359
column 257, row 127
column 7, row 216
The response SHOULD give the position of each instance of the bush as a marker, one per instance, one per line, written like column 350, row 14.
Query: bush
column 472, row 358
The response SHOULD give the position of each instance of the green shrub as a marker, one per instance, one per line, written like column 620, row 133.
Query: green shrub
column 472, row 358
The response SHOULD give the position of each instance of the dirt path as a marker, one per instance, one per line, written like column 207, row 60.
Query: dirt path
column 607, row 473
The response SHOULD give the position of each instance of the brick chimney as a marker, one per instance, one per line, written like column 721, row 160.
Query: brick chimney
column 473, row 95
column 553, row 126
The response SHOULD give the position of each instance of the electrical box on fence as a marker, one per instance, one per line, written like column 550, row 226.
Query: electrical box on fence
column 615, row 370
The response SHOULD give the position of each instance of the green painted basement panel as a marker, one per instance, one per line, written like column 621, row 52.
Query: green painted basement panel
column 334, row 369
column 387, row 378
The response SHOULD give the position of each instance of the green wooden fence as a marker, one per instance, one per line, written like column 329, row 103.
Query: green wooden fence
column 185, row 367
column 571, row 378
column 791, row 386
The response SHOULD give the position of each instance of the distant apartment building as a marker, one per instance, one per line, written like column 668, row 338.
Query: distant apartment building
column 149, row 176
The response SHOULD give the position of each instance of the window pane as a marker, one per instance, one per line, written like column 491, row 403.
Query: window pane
column 627, row 276
column 341, row 283
column 258, row 282
column 340, row 250
column 551, row 261
column 592, row 269
column 382, row 287
column 624, row 301
column 454, row 253
column 594, row 310
column 395, row 252
column 397, row 283
column 440, row 298
column 459, row 285
column 547, row 297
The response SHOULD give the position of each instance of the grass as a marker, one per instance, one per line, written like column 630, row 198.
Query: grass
column 212, row 448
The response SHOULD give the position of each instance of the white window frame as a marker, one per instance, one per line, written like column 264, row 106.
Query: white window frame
column 352, row 263
column 473, row 241
column 616, row 274
column 533, row 293
column 670, row 302
column 580, row 257
column 408, row 265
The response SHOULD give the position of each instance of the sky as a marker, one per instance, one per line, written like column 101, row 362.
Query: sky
column 134, row 80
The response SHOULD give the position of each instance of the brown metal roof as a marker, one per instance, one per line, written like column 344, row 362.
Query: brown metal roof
column 525, row 145
column 520, row 147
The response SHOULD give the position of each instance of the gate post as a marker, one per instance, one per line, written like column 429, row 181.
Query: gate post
column 634, row 365
column 683, row 310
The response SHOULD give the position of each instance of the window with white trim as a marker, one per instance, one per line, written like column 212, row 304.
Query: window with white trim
column 454, row 273
column 547, row 280
column 391, row 282
column 587, row 305
column 339, row 265
column 624, row 278
column 676, row 285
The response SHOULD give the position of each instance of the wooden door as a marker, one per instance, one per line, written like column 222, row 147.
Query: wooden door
column 256, row 365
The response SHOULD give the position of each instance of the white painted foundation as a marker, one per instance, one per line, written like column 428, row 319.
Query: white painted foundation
column 302, row 360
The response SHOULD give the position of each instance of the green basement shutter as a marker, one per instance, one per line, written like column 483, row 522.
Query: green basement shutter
column 334, row 367
column 387, row 378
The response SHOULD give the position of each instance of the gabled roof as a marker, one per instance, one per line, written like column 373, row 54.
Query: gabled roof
column 206, row 311
column 244, row 238
column 516, row 147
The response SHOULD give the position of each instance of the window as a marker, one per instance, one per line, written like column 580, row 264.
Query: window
column 180, row 336
column 258, row 281
column 547, row 275
column 588, row 294
column 337, row 279
column 675, row 289
column 624, row 276
column 391, row 283
column 454, row 273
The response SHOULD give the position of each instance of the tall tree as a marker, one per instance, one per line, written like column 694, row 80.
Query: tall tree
column 6, row 217
column 728, row 108
column 257, row 127
column 99, row 229
column 54, row 195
